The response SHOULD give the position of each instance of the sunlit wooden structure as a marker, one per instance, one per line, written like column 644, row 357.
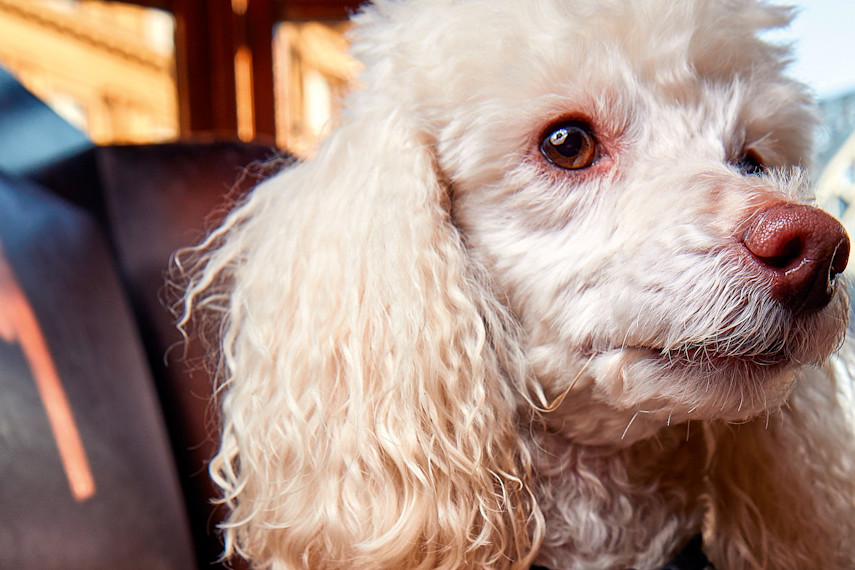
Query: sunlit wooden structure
column 230, row 69
column 82, row 59
column 224, row 57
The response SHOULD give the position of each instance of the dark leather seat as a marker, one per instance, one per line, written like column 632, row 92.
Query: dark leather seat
column 70, row 345
column 103, row 461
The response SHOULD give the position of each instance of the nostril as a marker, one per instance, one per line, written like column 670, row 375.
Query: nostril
column 802, row 249
column 790, row 253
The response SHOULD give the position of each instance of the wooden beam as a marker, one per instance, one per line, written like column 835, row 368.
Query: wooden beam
column 259, row 24
column 224, row 60
column 204, row 57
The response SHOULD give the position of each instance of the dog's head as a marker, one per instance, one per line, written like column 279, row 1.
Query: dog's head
column 598, row 203
column 629, row 175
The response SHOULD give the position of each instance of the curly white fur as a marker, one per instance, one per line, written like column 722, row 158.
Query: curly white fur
column 438, row 351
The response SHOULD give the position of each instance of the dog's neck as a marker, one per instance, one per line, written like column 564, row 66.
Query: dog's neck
column 619, row 506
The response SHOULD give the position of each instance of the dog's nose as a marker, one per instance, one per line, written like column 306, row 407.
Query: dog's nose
column 803, row 249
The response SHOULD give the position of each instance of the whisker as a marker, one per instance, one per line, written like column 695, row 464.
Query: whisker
column 557, row 402
column 635, row 415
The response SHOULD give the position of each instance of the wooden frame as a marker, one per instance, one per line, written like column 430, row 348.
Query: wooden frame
column 224, row 60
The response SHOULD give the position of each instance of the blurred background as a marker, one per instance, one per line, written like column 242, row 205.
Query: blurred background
column 824, row 58
column 155, row 70
column 123, row 126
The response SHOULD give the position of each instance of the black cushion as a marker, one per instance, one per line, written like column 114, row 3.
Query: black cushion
column 65, row 325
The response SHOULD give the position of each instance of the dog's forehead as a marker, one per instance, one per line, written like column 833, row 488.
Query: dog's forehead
column 490, row 74
column 452, row 50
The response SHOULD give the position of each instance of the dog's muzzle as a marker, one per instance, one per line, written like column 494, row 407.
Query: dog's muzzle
column 802, row 250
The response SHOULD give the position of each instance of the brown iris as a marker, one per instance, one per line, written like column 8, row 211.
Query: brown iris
column 570, row 146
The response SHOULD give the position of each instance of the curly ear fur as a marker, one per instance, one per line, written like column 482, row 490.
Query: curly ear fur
column 782, row 486
column 367, row 421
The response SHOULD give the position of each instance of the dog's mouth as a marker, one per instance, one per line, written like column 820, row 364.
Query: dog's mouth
column 714, row 358
column 748, row 365
column 692, row 382
column 800, row 340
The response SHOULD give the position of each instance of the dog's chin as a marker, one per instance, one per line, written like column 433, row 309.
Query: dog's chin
column 655, row 387
column 631, row 393
column 695, row 384
column 710, row 366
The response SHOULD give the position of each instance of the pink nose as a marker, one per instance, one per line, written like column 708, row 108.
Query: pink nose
column 803, row 249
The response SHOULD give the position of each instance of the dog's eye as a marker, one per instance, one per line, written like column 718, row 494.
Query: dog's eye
column 570, row 146
column 750, row 163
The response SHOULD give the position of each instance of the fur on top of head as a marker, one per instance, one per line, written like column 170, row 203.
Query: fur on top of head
column 401, row 316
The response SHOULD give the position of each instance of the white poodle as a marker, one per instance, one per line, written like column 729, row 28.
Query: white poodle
column 550, row 294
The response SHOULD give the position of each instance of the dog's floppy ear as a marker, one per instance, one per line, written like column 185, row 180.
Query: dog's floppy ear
column 783, row 487
column 366, row 419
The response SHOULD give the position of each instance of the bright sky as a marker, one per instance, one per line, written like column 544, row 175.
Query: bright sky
column 824, row 35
